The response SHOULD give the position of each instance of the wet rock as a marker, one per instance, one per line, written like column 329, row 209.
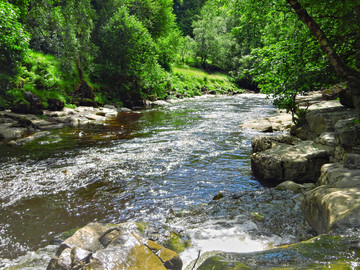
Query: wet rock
column 334, row 252
column 32, row 137
column 160, row 103
column 177, row 242
column 123, row 109
column 12, row 143
column 299, row 163
column 97, row 246
column 34, row 260
column 291, row 186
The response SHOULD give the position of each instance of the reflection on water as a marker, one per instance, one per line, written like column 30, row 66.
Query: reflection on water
column 138, row 167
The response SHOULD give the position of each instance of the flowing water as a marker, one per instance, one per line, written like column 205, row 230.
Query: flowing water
column 144, row 165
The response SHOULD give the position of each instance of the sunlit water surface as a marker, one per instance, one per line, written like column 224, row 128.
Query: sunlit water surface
column 141, row 166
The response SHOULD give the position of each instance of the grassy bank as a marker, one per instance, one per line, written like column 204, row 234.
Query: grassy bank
column 189, row 81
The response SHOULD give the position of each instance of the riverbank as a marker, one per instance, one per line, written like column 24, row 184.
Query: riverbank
column 318, row 162
column 323, row 151
column 18, row 128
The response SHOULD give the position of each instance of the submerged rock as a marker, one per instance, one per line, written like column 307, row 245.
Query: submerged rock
column 294, row 187
column 97, row 246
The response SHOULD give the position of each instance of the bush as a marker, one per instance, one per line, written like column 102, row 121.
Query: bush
column 128, row 60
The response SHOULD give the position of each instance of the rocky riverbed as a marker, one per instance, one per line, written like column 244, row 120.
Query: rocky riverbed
column 315, row 170
column 323, row 151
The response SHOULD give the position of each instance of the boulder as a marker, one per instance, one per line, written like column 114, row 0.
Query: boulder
column 324, row 120
column 326, row 138
column 262, row 125
column 9, row 132
column 352, row 161
column 262, row 143
column 299, row 163
column 337, row 175
column 279, row 122
column 347, row 133
column 330, row 208
column 31, row 105
column 335, row 204
column 98, row 246
column 55, row 104
column 333, row 92
column 294, row 187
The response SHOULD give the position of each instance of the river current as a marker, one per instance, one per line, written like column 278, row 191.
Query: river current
column 143, row 165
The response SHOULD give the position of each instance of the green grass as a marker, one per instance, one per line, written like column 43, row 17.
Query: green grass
column 189, row 81
column 41, row 74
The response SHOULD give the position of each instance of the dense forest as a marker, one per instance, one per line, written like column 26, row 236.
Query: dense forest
column 121, row 51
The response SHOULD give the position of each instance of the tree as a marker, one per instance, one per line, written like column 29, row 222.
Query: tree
column 350, row 74
column 64, row 28
column 128, row 57
column 14, row 40
column 187, row 11
column 214, row 41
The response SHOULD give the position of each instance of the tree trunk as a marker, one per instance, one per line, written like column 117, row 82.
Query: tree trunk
column 350, row 97
column 83, row 90
column 325, row 44
column 357, row 10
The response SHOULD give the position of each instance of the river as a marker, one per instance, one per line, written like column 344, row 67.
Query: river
column 143, row 165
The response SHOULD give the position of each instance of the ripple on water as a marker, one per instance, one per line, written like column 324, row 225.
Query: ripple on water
column 139, row 167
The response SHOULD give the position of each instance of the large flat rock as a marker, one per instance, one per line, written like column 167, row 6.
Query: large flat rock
column 300, row 163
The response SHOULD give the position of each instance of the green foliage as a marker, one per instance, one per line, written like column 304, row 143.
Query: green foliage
column 124, row 49
column 128, row 58
column 189, row 82
column 212, row 38
column 14, row 39
column 63, row 28
column 41, row 75
column 186, row 12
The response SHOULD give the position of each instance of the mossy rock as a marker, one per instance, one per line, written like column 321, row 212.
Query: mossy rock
column 142, row 226
column 177, row 243
column 218, row 263
column 322, row 252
